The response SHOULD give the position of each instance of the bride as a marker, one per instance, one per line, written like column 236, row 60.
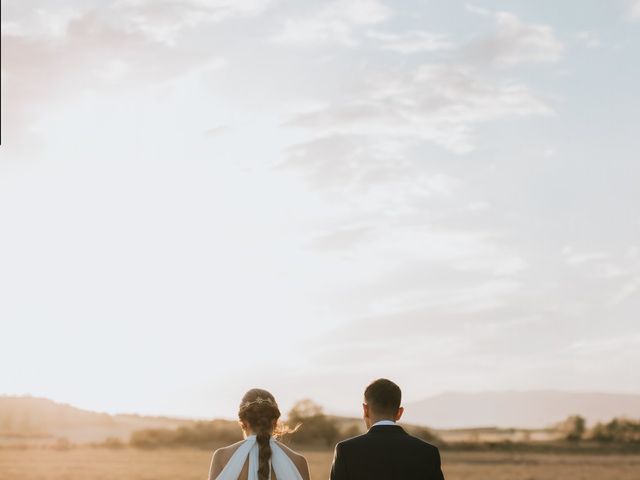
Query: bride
column 258, row 456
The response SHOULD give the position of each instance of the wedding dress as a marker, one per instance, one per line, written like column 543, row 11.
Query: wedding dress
column 282, row 465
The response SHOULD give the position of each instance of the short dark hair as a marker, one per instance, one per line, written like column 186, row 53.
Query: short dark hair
column 383, row 396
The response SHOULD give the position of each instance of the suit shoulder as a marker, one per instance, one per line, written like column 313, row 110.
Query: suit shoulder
column 351, row 441
column 425, row 445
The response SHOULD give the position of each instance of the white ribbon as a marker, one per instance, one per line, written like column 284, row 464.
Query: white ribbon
column 282, row 465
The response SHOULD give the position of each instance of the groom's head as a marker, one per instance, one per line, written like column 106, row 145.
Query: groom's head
column 382, row 402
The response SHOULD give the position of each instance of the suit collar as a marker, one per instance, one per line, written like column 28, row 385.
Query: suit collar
column 386, row 429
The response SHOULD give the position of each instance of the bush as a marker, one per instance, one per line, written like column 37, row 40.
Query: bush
column 573, row 428
column 425, row 434
column 62, row 444
column 112, row 442
column 618, row 430
column 315, row 426
column 201, row 434
column 351, row 431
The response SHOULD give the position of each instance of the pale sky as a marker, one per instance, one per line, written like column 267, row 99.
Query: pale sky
column 199, row 197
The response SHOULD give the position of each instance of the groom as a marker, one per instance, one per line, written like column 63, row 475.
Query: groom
column 386, row 451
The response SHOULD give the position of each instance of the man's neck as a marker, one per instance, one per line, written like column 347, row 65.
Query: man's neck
column 383, row 421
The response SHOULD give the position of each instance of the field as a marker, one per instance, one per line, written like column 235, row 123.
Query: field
column 85, row 463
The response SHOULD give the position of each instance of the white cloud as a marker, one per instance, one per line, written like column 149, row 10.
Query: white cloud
column 164, row 20
column 608, row 346
column 633, row 252
column 628, row 290
column 633, row 10
column 478, row 206
column 336, row 22
column 515, row 42
column 588, row 39
column 78, row 51
column 573, row 257
column 435, row 103
column 344, row 161
column 37, row 19
column 217, row 131
column 344, row 238
column 412, row 41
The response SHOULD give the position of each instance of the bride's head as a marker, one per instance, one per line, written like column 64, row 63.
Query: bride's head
column 259, row 415
column 258, row 412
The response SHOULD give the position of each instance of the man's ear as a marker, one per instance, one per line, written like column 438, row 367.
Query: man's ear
column 365, row 410
column 399, row 413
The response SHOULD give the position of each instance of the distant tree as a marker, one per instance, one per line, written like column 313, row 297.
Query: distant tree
column 112, row 442
column 573, row 428
column 425, row 434
column 200, row 434
column 305, row 409
column 315, row 426
column 618, row 430
column 351, row 431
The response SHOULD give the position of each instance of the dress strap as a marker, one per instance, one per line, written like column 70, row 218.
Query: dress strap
column 282, row 465
column 232, row 469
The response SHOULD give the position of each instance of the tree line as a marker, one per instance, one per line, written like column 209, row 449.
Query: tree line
column 314, row 429
column 317, row 429
column 618, row 430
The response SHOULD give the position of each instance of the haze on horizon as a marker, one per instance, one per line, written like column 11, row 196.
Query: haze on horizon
column 198, row 197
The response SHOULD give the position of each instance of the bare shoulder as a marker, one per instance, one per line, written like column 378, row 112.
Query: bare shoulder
column 228, row 451
column 292, row 454
column 298, row 460
column 220, row 458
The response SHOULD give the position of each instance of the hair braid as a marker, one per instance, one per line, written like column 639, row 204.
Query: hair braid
column 264, row 457
column 259, row 411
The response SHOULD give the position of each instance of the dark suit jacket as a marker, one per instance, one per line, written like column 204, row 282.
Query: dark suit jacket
column 386, row 452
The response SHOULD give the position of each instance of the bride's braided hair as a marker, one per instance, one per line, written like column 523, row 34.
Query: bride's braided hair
column 259, row 410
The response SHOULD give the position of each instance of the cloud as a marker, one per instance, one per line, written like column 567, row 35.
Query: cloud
column 573, row 257
column 165, row 20
column 217, row 131
column 416, row 336
column 343, row 238
column 436, row 103
column 75, row 51
column 412, row 41
column 628, row 290
column 402, row 263
column 335, row 23
column 588, row 39
column 633, row 10
column 345, row 161
column 514, row 42
column 611, row 345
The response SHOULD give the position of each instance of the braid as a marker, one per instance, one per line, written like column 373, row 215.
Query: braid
column 264, row 465
column 259, row 410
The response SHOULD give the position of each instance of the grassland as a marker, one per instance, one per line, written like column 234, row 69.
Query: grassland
column 84, row 463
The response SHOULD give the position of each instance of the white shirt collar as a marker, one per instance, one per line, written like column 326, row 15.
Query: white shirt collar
column 384, row 422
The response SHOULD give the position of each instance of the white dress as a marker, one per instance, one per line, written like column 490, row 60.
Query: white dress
column 282, row 465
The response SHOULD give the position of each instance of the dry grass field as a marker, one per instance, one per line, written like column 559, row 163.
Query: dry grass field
column 191, row 464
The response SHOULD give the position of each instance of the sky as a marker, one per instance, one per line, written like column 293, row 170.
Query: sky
column 200, row 197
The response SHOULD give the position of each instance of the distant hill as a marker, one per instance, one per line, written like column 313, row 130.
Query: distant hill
column 40, row 419
column 29, row 420
column 523, row 409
